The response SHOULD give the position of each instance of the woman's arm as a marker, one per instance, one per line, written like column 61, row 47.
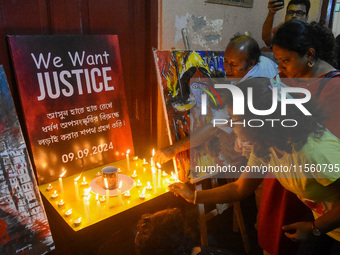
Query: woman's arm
column 230, row 192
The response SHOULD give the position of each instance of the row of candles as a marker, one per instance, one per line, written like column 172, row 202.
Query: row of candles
column 86, row 196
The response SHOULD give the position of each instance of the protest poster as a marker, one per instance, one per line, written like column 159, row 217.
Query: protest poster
column 73, row 99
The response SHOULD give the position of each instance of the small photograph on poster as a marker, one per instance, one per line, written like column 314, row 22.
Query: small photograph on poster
column 181, row 78
column 73, row 98
column 24, row 227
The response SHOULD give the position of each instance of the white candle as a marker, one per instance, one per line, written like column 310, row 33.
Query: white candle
column 84, row 183
column 107, row 194
column 99, row 207
column 138, row 183
column 127, row 194
column 87, row 207
column 76, row 189
column 55, row 194
column 49, row 187
column 77, row 222
column 159, row 175
column 119, row 192
column 164, row 173
column 128, row 160
column 68, row 212
column 154, row 180
column 142, row 196
column 61, row 186
column 134, row 174
column 102, row 199
column 148, row 185
column 61, row 203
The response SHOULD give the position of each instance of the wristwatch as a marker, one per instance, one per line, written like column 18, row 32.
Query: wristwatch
column 315, row 231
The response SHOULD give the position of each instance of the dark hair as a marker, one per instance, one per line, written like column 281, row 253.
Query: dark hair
column 253, row 49
column 304, row 2
column 284, row 138
column 163, row 233
column 300, row 36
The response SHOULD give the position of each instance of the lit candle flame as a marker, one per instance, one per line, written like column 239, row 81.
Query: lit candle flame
column 153, row 152
column 76, row 179
column 62, row 174
column 84, row 179
column 143, row 192
column 159, row 165
column 120, row 184
column 69, row 211
column 153, row 170
column 105, row 182
column 127, row 152
column 97, row 196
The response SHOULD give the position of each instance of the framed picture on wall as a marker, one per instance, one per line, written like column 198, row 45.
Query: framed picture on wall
column 241, row 3
column 337, row 7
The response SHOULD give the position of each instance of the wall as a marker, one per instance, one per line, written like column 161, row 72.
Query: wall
column 210, row 26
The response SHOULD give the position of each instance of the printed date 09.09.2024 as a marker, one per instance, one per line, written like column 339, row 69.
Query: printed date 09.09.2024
column 67, row 157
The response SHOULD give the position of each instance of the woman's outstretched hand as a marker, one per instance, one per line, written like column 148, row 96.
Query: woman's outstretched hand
column 183, row 190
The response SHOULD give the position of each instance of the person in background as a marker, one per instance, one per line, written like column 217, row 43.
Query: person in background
column 167, row 233
column 242, row 60
column 305, row 55
column 296, row 9
column 306, row 143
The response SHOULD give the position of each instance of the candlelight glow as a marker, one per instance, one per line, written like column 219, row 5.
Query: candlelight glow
column 128, row 151
column 76, row 179
column 120, row 184
column 87, row 192
column 153, row 152
column 97, row 196
column 62, row 174
column 105, row 182
column 68, row 212
column 159, row 165
column 143, row 193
